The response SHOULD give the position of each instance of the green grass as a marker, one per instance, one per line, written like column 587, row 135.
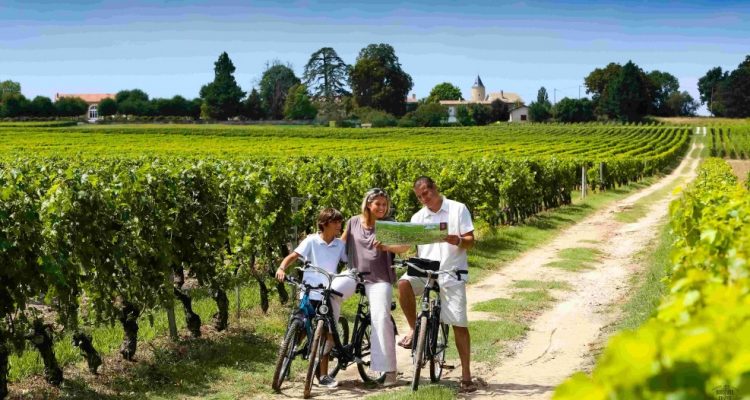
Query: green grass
column 426, row 392
column 488, row 338
column 575, row 259
column 515, row 313
column 648, row 286
column 107, row 339
column 519, row 305
column 546, row 285
column 641, row 207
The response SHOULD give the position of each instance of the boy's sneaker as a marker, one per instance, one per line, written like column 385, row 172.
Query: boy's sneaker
column 328, row 382
column 391, row 379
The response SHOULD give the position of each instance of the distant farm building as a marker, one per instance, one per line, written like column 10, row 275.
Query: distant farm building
column 479, row 96
column 92, row 99
column 519, row 114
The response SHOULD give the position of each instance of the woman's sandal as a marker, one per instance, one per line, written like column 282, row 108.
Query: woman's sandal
column 468, row 387
column 405, row 342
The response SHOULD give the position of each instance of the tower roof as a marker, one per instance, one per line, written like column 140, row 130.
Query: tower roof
column 478, row 82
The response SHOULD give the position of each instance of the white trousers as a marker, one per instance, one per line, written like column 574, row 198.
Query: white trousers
column 382, row 337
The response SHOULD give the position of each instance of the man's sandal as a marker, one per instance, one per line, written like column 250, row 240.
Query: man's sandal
column 405, row 342
column 468, row 387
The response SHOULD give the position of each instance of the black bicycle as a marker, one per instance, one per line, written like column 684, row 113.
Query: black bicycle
column 431, row 334
column 343, row 352
column 298, row 333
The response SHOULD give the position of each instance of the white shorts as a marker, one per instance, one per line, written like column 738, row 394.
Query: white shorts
column 452, row 300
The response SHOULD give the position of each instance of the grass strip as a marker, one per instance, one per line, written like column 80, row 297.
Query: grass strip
column 546, row 285
column 575, row 259
column 648, row 285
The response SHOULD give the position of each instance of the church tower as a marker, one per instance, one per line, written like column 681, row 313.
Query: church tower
column 477, row 91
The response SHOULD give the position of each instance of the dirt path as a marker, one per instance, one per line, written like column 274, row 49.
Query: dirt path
column 558, row 342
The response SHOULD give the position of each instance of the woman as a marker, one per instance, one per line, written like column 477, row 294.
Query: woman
column 366, row 254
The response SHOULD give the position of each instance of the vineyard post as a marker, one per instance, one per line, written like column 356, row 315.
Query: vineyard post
column 583, row 182
column 170, row 314
column 296, row 201
column 601, row 176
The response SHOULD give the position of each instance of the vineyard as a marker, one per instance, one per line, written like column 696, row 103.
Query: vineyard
column 697, row 344
column 731, row 142
column 588, row 142
column 103, row 224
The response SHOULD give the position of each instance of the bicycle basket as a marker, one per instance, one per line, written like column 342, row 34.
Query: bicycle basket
column 423, row 263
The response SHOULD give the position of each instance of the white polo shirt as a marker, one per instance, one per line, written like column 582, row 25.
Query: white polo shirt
column 323, row 255
column 459, row 223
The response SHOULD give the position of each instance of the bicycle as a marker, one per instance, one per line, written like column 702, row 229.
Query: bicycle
column 432, row 334
column 298, row 334
column 345, row 353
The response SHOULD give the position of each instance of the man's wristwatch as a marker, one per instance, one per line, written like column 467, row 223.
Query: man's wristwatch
column 459, row 241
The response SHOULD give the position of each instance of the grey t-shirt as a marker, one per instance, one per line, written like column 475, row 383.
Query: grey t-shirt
column 364, row 256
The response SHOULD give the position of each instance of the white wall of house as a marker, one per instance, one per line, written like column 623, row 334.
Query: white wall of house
column 520, row 114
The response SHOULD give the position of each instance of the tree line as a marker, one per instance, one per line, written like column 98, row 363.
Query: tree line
column 374, row 90
column 618, row 92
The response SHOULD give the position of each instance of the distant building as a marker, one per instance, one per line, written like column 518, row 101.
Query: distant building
column 479, row 96
column 411, row 102
column 519, row 114
column 92, row 99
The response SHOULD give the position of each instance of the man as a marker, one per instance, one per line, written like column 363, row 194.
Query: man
column 451, row 253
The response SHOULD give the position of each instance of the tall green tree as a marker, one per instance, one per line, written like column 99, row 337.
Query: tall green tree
column 662, row 86
column 41, row 106
column 71, row 107
column 430, row 114
column 682, row 104
column 542, row 97
column 133, row 102
column 480, row 113
column 444, row 91
column 378, row 81
column 274, row 86
column 628, row 94
column 14, row 105
column 107, row 107
column 9, row 87
column 734, row 92
column 298, row 104
column 253, row 106
column 574, row 110
column 499, row 111
column 326, row 75
column 540, row 110
column 222, row 98
column 708, row 84
column 596, row 83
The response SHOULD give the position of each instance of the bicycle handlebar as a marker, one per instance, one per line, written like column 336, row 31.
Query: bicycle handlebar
column 309, row 267
column 428, row 272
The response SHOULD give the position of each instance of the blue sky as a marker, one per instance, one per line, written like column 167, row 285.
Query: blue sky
column 169, row 47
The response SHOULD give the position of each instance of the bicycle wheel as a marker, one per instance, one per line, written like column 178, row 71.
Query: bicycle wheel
column 418, row 354
column 287, row 352
column 312, row 366
column 361, row 344
column 437, row 360
column 343, row 330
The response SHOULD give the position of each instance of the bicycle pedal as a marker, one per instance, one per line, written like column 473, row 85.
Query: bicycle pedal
column 448, row 366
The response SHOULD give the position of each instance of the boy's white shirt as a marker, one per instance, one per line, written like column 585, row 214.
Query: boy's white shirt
column 323, row 255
